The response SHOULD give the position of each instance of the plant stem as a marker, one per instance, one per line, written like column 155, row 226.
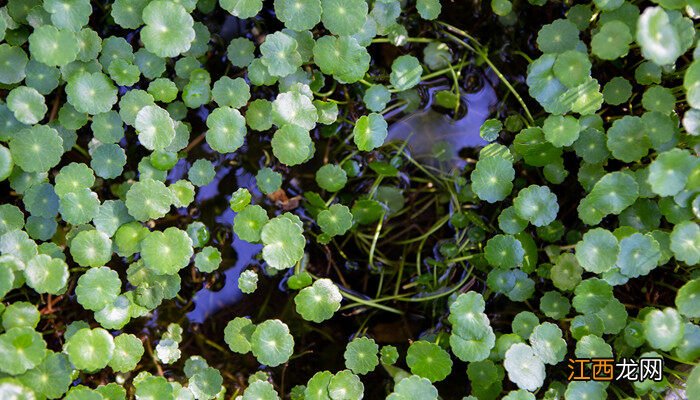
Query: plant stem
column 409, row 40
column 484, row 54
column 369, row 303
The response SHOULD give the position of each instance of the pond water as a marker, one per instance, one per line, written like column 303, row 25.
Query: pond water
column 209, row 301
column 428, row 130
column 422, row 130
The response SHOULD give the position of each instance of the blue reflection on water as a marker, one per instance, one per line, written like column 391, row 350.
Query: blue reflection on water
column 425, row 128
column 206, row 301
column 422, row 128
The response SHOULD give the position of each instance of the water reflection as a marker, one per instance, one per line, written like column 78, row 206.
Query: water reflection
column 206, row 302
column 423, row 129
column 428, row 130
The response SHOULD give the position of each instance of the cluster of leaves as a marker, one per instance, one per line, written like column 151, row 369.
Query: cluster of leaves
column 93, row 189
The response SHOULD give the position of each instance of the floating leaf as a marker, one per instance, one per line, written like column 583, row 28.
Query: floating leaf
column 271, row 343
column 45, row 274
column 554, row 305
column 79, row 206
column 336, row 220
column 52, row 46
column 331, row 177
column 492, row 179
column 536, row 204
column 166, row 252
column 437, row 55
column 361, row 355
column 208, row 260
column 591, row 295
column 97, row 288
column 91, row 93
column 90, row 349
column 428, row 360
column 108, row 160
column 414, row 387
column 280, row 54
column 370, row 131
column 524, row 368
column 612, row 41
column 685, row 240
column 91, row 248
column 504, row 251
column 27, row 105
column 148, row 199
column 558, row 37
column 249, row 222
column 376, row 97
column 428, row 9
column 342, row 57
column 242, row 8
column 291, row 144
column 22, row 348
column 20, row 314
column 260, row 390
column 343, row 17
column 688, row 299
column 201, row 173
column 669, row 173
column 572, row 68
column 657, row 37
column 561, row 130
column 318, row 302
column 248, row 281
column 663, row 329
column 406, row 72
column 169, row 28
column 155, row 128
column 234, row 93
column 240, row 50
column 238, row 333
column 283, row 243
column 597, row 251
column 638, row 255
column 128, row 351
column 472, row 337
column 36, row 149
column 297, row 14
column 547, row 343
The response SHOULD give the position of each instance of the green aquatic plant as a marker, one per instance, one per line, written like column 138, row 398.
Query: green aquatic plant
column 150, row 148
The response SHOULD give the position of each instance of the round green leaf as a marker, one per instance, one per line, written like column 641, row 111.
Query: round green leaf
column 21, row 348
column 428, row 360
column 91, row 93
column 492, row 179
column 343, row 17
column 597, row 251
column 663, row 329
column 283, row 243
column 91, row 248
column 271, row 343
column 536, row 204
column 169, row 28
column 524, row 368
column 319, row 301
column 90, row 349
column 97, row 288
column 406, row 72
column 291, row 144
column 166, row 252
column 370, row 131
column 361, row 355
